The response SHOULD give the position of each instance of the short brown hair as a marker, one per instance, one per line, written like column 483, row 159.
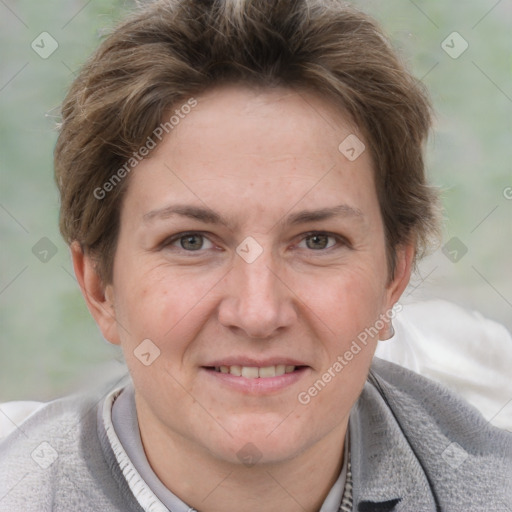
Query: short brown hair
column 171, row 50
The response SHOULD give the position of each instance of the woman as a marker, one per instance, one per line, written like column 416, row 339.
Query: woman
column 243, row 191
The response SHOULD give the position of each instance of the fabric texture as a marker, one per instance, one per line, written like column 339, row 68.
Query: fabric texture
column 414, row 446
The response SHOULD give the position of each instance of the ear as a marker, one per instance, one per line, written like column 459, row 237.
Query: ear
column 99, row 298
column 396, row 286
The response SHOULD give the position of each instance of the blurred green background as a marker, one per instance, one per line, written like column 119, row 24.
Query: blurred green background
column 49, row 343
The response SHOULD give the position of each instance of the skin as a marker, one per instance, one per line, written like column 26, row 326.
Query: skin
column 255, row 158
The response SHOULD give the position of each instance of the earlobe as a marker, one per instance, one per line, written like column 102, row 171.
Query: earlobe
column 403, row 268
column 98, row 297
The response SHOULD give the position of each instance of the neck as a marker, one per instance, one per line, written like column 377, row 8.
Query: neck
column 210, row 484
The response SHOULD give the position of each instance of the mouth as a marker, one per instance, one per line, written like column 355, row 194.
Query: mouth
column 256, row 372
column 250, row 379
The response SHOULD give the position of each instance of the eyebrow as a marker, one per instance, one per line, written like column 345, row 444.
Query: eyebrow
column 208, row 216
column 202, row 214
column 342, row 210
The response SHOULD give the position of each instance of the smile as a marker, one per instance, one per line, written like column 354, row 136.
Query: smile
column 255, row 372
column 256, row 380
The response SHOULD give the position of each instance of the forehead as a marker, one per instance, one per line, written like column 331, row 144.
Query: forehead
column 265, row 123
column 239, row 147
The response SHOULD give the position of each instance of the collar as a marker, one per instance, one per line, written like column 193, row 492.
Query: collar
column 385, row 470
column 140, row 490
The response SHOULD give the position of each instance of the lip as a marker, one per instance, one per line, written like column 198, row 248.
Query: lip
column 259, row 386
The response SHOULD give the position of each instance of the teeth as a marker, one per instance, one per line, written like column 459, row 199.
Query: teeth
column 250, row 372
column 268, row 371
column 253, row 372
column 235, row 370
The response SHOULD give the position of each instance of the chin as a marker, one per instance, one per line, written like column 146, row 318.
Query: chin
column 259, row 440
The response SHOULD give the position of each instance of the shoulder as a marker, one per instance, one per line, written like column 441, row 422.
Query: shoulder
column 58, row 420
column 54, row 460
column 407, row 392
column 459, row 451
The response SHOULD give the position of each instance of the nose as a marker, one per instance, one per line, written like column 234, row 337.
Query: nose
column 258, row 303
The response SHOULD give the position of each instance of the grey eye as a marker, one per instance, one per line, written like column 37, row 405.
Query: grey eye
column 192, row 242
column 319, row 241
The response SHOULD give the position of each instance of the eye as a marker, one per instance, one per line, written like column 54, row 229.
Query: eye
column 190, row 242
column 318, row 241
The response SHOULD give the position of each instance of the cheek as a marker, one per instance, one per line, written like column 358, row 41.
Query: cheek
column 349, row 308
column 165, row 306
column 346, row 300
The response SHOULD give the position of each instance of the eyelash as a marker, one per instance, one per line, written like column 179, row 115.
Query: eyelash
column 339, row 241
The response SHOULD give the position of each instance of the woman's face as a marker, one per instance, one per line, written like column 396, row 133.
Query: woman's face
column 251, row 243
